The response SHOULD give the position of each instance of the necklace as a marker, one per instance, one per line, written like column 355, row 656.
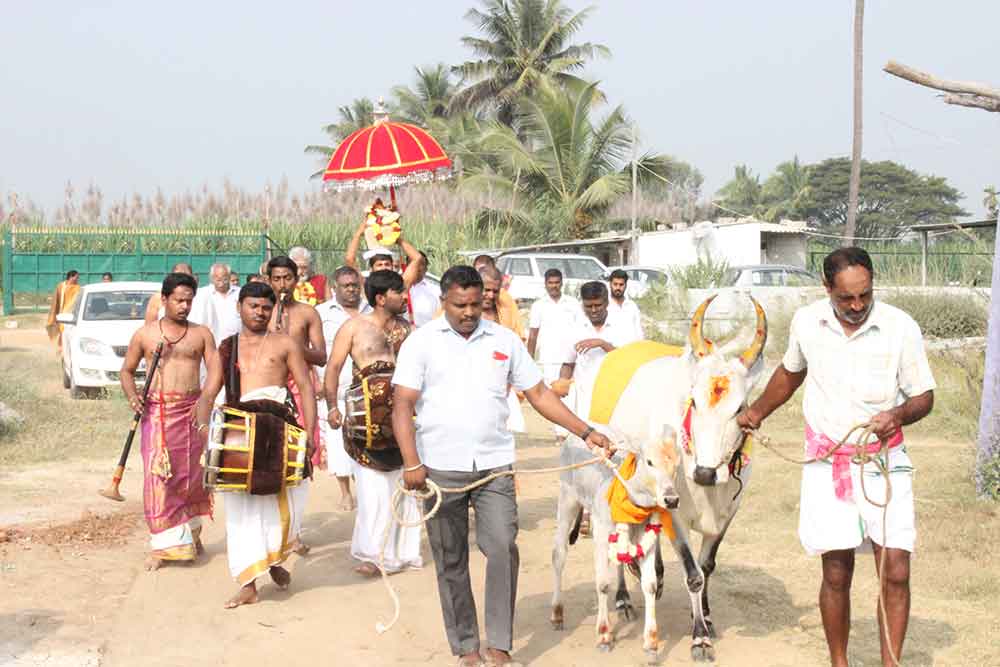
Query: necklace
column 169, row 342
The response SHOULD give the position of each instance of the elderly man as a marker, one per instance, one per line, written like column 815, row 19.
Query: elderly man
column 219, row 303
column 345, row 304
column 312, row 288
column 620, row 307
column 862, row 361
column 453, row 374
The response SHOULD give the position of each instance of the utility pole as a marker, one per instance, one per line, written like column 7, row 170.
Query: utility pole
column 986, row 97
column 855, row 183
column 633, row 253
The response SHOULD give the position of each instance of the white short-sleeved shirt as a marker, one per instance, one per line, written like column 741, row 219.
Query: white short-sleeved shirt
column 628, row 314
column 616, row 332
column 554, row 320
column 850, row 379
column 332, row 315
column 218, row 312
column 425, row 300
column 462, row 410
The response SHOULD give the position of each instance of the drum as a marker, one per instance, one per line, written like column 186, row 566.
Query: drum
column 367, row 427
column 253, row 452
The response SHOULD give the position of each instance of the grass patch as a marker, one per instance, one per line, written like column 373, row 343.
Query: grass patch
column 55, row 426
column 943, row 315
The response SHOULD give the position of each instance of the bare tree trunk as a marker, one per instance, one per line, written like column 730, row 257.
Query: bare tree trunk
column 988, row 461
column 852, row 197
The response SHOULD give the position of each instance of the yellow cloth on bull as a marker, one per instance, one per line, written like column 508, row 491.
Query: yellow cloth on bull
column 623, row 510
column 617, row 370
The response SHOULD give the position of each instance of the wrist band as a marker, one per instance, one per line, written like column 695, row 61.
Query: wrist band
column 412, row 468
column 586, row 433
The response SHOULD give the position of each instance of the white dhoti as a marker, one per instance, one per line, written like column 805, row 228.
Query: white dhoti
column 339, row 464
column 550, row 373
column 402, row 549
column 827, row 523
column 262, row 531
column 515, row 420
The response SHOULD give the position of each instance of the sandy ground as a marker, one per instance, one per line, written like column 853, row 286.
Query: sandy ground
column 73, row 591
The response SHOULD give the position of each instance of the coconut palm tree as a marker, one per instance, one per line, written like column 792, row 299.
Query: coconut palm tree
column 562, row 160
column 353, row 117
column 523, row 43
column 743, row 193
column 429, row 98
column 785, row 191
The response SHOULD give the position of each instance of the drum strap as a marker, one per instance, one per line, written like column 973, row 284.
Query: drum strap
column 229, row 352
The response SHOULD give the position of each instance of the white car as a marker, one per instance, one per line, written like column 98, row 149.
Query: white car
column 527, row 272
column 96, row 334
column 641, row 278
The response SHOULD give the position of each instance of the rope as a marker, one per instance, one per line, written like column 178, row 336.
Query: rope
column 433, row 490
column 861, row 456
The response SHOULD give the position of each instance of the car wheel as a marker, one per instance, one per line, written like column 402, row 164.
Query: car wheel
column 75, row 391
column 66, row 382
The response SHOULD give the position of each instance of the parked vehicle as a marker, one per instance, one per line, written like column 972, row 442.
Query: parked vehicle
column 641, row 278
column 527, row 272
column 97, row 332
column 769, row 275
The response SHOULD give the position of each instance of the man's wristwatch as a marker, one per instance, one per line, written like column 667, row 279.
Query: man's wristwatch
column 586, row 433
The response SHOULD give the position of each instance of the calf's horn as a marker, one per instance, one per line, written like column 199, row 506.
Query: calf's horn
column 698, row 345
column 752, row 353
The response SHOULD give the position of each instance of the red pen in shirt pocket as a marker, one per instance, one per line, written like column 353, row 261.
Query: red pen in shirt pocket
column 500, row 356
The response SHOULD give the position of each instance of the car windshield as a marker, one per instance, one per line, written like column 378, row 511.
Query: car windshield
column 579, row 268
column 118, row 305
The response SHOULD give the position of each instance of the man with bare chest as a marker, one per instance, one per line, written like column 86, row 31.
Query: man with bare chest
column 173, row 497
column 261, row 530
column 372, row 341
column 300, row 322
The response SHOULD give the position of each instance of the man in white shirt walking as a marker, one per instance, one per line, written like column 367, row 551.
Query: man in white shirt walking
column 622, row 308
column 551, row 319
column 862, row 361
column 453, row 374
column 594, row 335
column 345, row 304
column 424, row 298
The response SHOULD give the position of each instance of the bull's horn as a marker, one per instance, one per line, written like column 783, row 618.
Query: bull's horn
column 752, row 353
column 696, row 336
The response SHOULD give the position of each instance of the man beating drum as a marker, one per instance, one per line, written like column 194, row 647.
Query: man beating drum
column 261, row 530
column 372, row 341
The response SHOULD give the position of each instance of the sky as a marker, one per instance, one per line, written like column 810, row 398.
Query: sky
column 132, row 96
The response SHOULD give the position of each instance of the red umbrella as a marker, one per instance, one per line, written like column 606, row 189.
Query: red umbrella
column 386, row 154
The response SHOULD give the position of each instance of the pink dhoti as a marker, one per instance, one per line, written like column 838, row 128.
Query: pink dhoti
column 174, row 498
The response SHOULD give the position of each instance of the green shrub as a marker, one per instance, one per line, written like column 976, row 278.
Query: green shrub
column 943, row 315
column 703, row 274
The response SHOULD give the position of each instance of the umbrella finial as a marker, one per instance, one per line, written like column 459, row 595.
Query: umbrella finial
column 380, row 113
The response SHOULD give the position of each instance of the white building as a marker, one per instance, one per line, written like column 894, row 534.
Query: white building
column 738, row 242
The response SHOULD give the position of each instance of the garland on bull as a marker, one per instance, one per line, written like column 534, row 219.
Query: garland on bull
column 620, row 547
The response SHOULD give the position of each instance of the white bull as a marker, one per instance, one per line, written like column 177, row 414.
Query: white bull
column 696, row 395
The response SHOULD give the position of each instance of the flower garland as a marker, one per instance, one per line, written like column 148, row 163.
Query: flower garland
column 383, row 224
column 620, row 547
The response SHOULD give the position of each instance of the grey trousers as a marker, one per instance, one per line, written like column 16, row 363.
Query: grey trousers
column 496, row 534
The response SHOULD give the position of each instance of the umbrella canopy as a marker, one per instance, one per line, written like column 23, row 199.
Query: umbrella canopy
column 386, row 154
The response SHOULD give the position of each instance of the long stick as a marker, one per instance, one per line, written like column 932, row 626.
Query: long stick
column 112, row 491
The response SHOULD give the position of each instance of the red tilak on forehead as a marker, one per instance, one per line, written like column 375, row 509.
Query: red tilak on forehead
column 718, row 387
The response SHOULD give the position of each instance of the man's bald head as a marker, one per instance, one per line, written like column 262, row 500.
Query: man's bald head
column 182, row 267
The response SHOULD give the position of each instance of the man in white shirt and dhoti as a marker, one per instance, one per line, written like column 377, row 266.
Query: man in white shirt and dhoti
column 621, row 307
column 862, row 362
column 345, row 304
column 550, row 321
column 261, row 530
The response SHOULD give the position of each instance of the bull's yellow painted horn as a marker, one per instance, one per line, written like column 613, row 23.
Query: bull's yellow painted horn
column 752, row 353
column 696, row 336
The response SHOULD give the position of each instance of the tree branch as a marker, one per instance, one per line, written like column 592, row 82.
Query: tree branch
column 966, row 88
column 974, row 101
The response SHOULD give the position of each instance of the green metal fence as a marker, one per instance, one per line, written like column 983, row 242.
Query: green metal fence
column 36, row 259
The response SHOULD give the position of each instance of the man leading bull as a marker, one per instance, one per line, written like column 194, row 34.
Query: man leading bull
column 862, row 361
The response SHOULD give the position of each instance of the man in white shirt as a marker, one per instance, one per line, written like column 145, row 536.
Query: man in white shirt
column 218, row 303
column 453, row 374
column 862, row 362
column 424, row 298
column 549, row 323
column 345, row 304
column 622, row 308
column 594, row 335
